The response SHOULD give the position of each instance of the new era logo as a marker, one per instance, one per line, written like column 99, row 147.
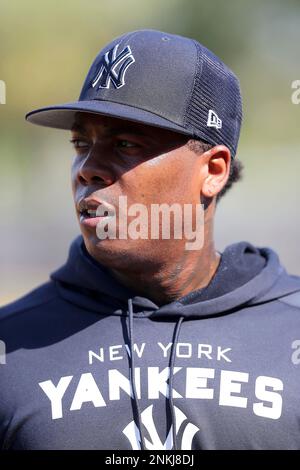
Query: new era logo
column 113, row 67
column 213, row 120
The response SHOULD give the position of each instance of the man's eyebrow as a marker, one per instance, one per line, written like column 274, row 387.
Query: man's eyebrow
column 111, row 131
column 127, row 130
column 76, row 127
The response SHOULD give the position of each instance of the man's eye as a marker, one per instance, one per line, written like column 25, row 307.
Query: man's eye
column 126, row 144
column 78, row 143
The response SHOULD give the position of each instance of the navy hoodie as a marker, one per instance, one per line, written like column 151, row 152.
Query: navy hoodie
column 90, row 364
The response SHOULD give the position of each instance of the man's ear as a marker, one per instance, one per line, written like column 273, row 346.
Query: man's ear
column 216, row 168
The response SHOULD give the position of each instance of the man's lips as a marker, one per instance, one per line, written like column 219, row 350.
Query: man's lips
column 87, row 209
column 90, row 221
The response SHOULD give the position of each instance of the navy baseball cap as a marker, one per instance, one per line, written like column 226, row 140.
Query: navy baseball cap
column 162, row 80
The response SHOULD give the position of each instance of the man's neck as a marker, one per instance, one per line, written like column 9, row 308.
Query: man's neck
column 175, row 278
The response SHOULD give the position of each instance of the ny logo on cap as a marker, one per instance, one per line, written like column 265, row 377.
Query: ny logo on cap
column 213, row 120
column 113, row 67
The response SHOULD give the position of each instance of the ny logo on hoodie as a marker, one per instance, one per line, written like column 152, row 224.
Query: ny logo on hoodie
column 133, row 435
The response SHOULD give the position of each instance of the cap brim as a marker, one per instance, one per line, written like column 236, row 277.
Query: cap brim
column 63, row 116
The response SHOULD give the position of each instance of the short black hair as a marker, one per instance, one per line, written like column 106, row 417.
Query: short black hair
column 236, row 167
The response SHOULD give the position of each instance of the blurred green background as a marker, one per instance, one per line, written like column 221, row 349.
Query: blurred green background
column 46, row 49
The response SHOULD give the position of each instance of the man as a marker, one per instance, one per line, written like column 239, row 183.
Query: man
column 144, row 340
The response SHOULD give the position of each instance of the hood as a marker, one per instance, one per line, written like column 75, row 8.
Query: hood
column 246, row 275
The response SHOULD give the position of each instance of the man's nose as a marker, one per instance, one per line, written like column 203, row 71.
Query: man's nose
column 94, row 170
